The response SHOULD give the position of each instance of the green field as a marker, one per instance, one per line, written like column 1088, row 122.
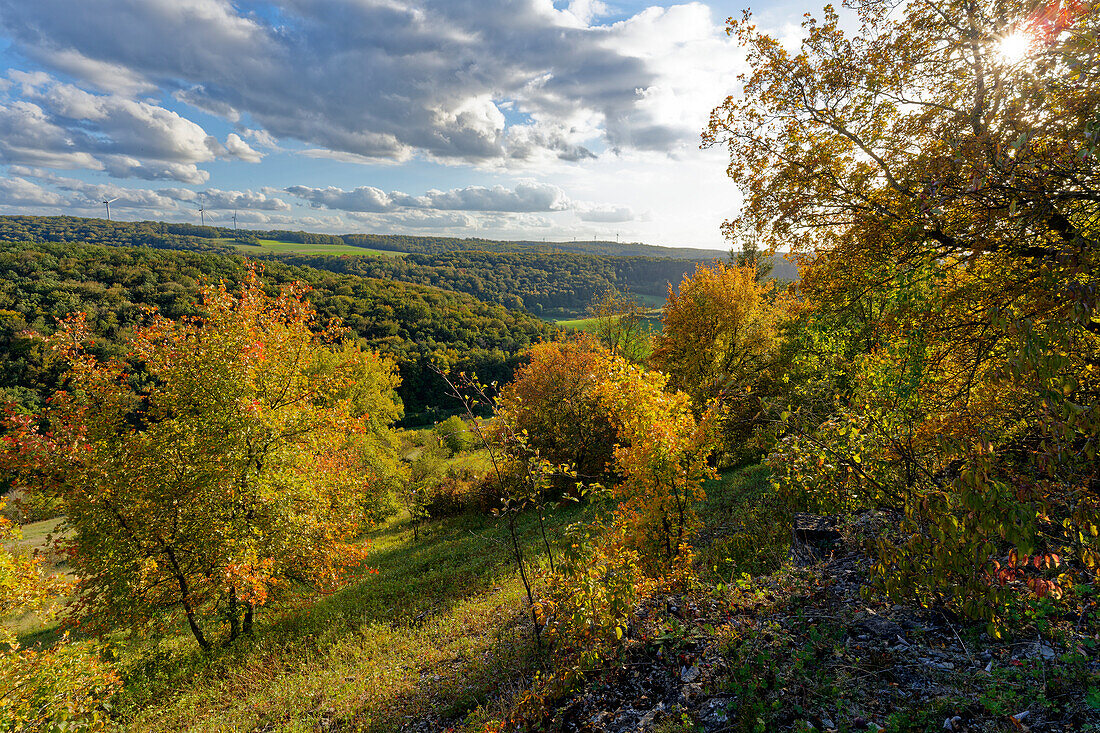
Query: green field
column 588, row 325
column 273, row 246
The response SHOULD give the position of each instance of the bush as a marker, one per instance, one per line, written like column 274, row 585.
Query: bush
column 455, row 435
column 63, row 688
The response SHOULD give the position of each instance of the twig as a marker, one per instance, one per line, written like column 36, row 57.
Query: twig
column 968, row 654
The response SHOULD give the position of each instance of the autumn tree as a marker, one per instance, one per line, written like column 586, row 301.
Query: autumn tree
column 57, row 688
column 938, row 173
column 750, row 255
column 227, row 458
column 718, row 339
column 621, row 325
column 555, row 401
column 578, row 404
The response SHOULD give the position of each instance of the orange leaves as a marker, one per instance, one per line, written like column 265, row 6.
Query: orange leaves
column 555, row 401
column 252, row 579
column 235, row 452
column 718, row 328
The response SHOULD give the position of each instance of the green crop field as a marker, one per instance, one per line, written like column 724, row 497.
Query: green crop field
column 652, row 320
column 277, row 247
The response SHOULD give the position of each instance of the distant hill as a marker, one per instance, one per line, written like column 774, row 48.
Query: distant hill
column 437, row 245
column 71, row 228
column 546, row 278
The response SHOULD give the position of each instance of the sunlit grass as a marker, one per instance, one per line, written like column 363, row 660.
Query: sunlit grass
column 272, row 246
column 32, row 627
column 440, row 630
column 651, row 321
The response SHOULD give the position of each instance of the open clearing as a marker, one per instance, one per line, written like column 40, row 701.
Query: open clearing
column 273, row 246
column 588, row 325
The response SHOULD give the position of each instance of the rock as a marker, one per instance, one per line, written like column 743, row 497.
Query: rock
column 880, row 627
column 689, row 692
column 953, row 723
column 689, row 674
column 813, row 537
column 647, row 720
column 828, row 724
column 1021, row 717
column 713, row 715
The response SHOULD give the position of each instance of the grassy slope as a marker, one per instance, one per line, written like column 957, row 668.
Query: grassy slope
column 436, row 633
column 32, row 626
column 438, row 637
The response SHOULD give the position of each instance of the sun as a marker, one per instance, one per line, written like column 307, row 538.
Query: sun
column 1015, row 47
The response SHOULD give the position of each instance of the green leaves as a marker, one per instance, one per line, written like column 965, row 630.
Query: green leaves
column 235, row 454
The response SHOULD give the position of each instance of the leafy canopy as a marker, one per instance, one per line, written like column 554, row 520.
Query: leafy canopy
column 225, row 458
column 946, row 199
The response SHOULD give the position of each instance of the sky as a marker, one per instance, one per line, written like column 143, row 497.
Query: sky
column 514, row 119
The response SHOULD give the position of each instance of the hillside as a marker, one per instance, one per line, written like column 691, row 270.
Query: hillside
column 98, row 231
column 543, row 283
column 417, row 325
column 546, row 279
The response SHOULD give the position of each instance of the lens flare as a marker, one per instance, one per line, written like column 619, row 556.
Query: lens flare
column 1015, row 47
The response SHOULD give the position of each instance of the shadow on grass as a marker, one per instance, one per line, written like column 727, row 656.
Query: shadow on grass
column 446, row 609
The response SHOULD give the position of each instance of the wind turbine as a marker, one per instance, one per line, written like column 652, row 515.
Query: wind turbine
column 108, row 203
column 234, row 220
column 202, row 211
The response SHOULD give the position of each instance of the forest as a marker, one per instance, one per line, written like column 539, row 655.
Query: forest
column 417, row 326
column 543, row 284
column 102, row 231
column 865, row 499
column 545, row 280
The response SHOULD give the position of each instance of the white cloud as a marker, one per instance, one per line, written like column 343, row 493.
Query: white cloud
column 21, row 192
column 263, row 138
column 239, row 149
column 125, row 166
column 213, row 198
column 388, row 80
column 59, row 125
column 527, row 196
column 362, row 199
column 605, row 213
column 451, row 220
column 28, row 136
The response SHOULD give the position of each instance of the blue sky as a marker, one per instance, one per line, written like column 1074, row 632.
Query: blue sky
column 537, row 119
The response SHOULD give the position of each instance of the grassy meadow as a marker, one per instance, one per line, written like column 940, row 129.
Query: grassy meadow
column 272, row 246
column 434, row 630
column 652, row 321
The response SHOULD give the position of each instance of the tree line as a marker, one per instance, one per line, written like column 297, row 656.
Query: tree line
column 515, row 274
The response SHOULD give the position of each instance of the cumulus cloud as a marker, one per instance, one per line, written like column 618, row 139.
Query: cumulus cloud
column 237, row 148
column 60, row 125
column 164, row 200
column 21, row 192
column 416, row 220
column 604, row 213
column 390, row 80
column 362, row 199
column 28, row 136
column 125, row 166
column 213, row 198
column 525, row 197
